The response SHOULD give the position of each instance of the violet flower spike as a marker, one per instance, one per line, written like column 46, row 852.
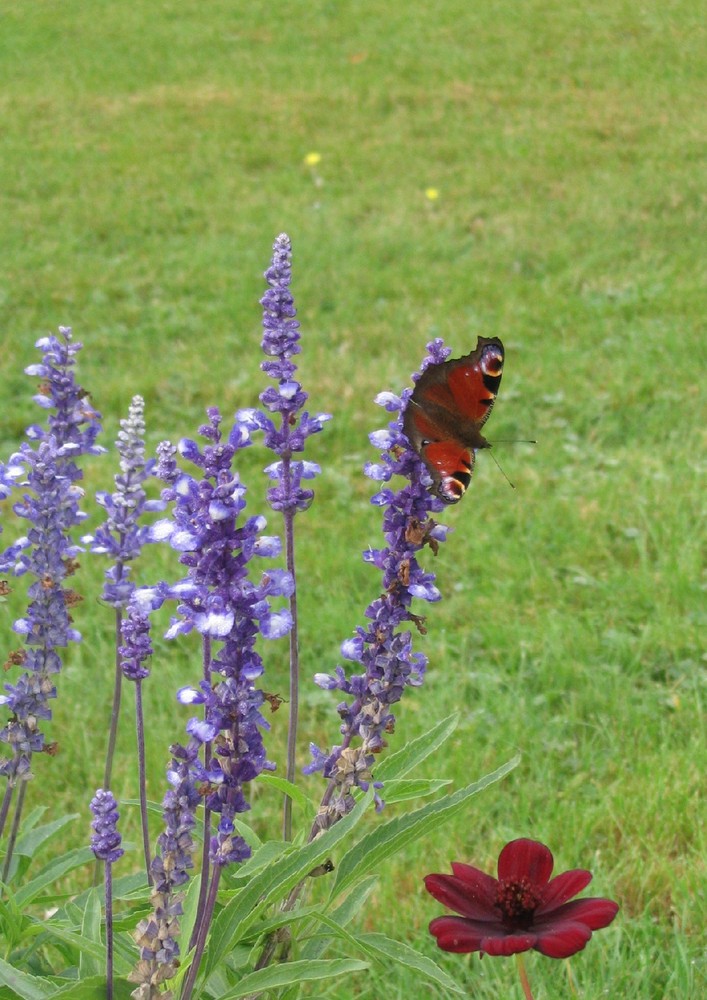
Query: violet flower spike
column 217, row 597
column 105, row 844
column 122, row 536
column 157, row 937
column 219, row 600
column 281, row 341
column 50, row 503
column 135, row 650
column 382, row 648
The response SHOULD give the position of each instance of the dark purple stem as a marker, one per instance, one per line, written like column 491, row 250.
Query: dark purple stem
column 289, row 519
column 140, row 732
column 109, row 930
column 114, row 717
column 204, row 876
column 5, row 807
column 15, row 829
column 115, row 712
column 202, row 933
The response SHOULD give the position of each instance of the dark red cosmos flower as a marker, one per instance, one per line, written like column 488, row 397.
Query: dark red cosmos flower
column 521, row 909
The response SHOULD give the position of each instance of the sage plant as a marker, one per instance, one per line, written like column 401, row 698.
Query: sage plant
column 47, row 554
column 121, row 537
column 218, row 598
column 382, row 646
column 286, row 439
column 133, row 654
column 105, row 844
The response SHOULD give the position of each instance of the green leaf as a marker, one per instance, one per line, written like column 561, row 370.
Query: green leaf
column 275, row 882
column 25, row 986
column 343, row 914
column 403, row 789
column 268, row 852
column 190, row 907
column 32, row 840
column 411, row 959
column 389, row 838
column 130, row 887
column 91, row 965
column 398, row 764
column 95, row 949
column 94, row 989
column 276, row 976
column 286, row 918
column 308, row 807
column 53, row 871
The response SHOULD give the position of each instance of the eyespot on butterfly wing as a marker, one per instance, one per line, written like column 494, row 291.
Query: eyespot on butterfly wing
column 450, row 404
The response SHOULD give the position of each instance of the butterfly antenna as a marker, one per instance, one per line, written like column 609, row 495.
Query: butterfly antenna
column 498, row 466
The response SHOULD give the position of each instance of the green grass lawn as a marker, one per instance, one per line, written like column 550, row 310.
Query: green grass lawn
column 149, row 155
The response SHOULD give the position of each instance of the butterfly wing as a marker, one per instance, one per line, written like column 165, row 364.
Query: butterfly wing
column 449, row 406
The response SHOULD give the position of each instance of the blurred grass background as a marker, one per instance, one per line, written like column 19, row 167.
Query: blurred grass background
column 529, row 170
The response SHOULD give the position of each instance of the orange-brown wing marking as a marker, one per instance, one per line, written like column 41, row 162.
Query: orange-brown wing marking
column 451, row 466
column 474, row 380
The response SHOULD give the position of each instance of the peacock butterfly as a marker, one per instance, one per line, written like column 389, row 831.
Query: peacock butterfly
column 443, row 419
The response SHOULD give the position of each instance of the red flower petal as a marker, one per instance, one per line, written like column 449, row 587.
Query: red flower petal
column 481, row 887
column 461, row 935
column 594, row 912
column 562, row 939
column 455, row 934
column 525, row 859
column 460, row 896
column 510, row 944
column 562, row 888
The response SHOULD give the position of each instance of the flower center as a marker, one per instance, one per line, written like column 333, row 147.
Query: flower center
column 517, row 902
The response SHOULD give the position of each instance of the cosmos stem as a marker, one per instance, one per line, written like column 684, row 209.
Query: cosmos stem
column 524, row 981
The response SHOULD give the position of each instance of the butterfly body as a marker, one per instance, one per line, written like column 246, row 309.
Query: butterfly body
column 444, row 416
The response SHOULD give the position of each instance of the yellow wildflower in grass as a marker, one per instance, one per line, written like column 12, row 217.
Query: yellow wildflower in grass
column 312, row 159
column 432, row 194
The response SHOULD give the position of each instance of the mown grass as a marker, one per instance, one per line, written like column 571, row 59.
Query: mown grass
column 150, row 154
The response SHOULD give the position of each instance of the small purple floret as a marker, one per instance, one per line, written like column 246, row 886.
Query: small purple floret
column 105, row 842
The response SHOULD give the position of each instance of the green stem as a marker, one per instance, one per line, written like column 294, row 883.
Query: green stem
column 525, row 983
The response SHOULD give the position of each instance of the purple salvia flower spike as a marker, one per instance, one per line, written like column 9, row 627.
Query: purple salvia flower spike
column 281, row 342
column 215, row 541
column 137, row 647
column 122, row 536
column 133, row 654
column 50, row 503
column 105, row 842
column 382, row 648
